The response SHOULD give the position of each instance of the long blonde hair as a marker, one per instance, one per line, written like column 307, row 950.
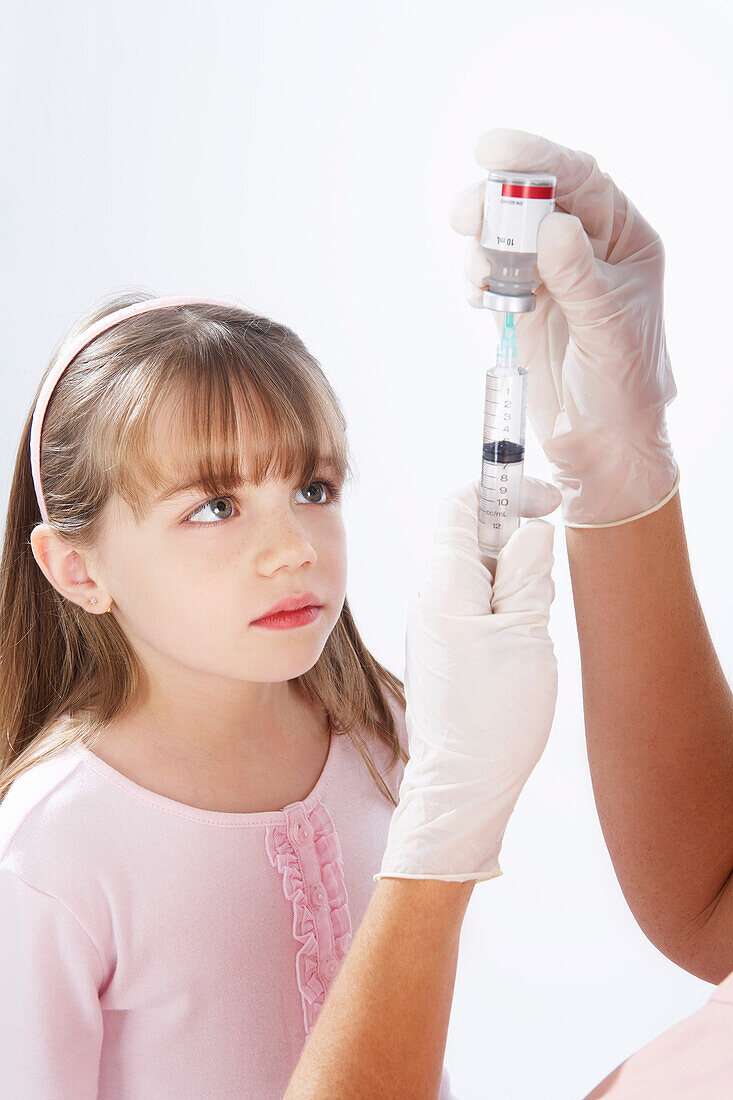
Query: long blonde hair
column 65, row 674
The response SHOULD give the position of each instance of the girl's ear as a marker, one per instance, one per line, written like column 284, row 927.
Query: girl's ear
column 65, row 568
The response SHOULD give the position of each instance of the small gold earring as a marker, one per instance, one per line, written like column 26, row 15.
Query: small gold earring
column 94, row 600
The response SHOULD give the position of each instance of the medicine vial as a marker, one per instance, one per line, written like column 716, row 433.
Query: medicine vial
column 514, row 205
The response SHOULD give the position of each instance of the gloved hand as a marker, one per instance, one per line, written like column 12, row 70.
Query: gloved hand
column 480, row 686
column 594, row 346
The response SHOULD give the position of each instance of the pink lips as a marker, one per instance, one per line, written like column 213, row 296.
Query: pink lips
column 284, row 620
column 292, row 603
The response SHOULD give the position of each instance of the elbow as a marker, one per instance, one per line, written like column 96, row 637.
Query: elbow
column 705, row 948
column 708, row 966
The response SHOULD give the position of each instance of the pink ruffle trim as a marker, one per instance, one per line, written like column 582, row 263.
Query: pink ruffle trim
column 311, row 865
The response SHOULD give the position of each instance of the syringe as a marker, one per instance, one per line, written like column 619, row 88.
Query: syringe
column 505, row 418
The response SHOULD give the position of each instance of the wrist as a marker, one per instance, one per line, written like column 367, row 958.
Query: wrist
column 434, row 896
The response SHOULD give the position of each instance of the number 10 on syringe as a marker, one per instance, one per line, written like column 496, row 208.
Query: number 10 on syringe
column 505, row 418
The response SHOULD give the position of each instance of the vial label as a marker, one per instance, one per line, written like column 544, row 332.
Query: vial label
column 512, row 215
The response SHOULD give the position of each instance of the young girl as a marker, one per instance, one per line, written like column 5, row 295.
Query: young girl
column 195, row 795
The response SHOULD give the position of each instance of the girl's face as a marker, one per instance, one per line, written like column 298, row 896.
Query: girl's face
column 188, row 581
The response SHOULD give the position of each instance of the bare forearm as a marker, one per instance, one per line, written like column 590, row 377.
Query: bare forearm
column 659, row 727
column 383, row 1028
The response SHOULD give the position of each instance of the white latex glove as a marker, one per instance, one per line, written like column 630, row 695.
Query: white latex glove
column 595, row 348
column 480, row 686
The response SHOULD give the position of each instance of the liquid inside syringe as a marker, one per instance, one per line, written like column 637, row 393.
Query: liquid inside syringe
column 503, row 447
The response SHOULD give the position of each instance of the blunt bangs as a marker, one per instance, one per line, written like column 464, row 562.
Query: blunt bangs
column 218, row 415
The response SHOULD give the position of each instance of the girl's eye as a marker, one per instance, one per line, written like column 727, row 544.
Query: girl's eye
column 333, row 493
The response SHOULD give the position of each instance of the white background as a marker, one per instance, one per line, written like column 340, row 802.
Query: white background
column 302, row 157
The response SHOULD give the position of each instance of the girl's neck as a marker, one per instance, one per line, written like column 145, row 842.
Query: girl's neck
column 261, row 774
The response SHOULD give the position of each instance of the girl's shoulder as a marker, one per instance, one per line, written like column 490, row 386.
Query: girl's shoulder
column 52, row 844
column 49, row 827
column 381, row 751
column 33, row 799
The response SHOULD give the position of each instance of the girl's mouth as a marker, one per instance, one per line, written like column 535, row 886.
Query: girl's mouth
column 284, row 620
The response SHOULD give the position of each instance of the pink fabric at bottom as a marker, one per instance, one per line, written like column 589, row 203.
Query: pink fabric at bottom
column 691, row 1061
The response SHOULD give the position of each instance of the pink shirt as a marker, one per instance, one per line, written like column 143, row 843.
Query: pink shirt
column 149, row 949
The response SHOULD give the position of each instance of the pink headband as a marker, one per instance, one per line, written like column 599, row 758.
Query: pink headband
column 81, row 342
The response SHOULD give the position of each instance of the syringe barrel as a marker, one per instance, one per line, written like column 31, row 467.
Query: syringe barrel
column 502, row 460
column 501, row 488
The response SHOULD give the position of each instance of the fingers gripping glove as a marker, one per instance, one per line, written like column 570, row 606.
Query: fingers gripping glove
column 594, row 346
column 480, row 686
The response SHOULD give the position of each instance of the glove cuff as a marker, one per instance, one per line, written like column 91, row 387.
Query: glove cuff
column 629, row 519
column 468, row 876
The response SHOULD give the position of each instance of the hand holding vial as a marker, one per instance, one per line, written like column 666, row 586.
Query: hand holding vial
column 599, row 376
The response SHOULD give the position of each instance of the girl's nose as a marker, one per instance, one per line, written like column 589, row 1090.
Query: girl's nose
column 283, row 539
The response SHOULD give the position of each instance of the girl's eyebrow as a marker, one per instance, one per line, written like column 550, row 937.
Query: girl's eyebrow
column 188, row 486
